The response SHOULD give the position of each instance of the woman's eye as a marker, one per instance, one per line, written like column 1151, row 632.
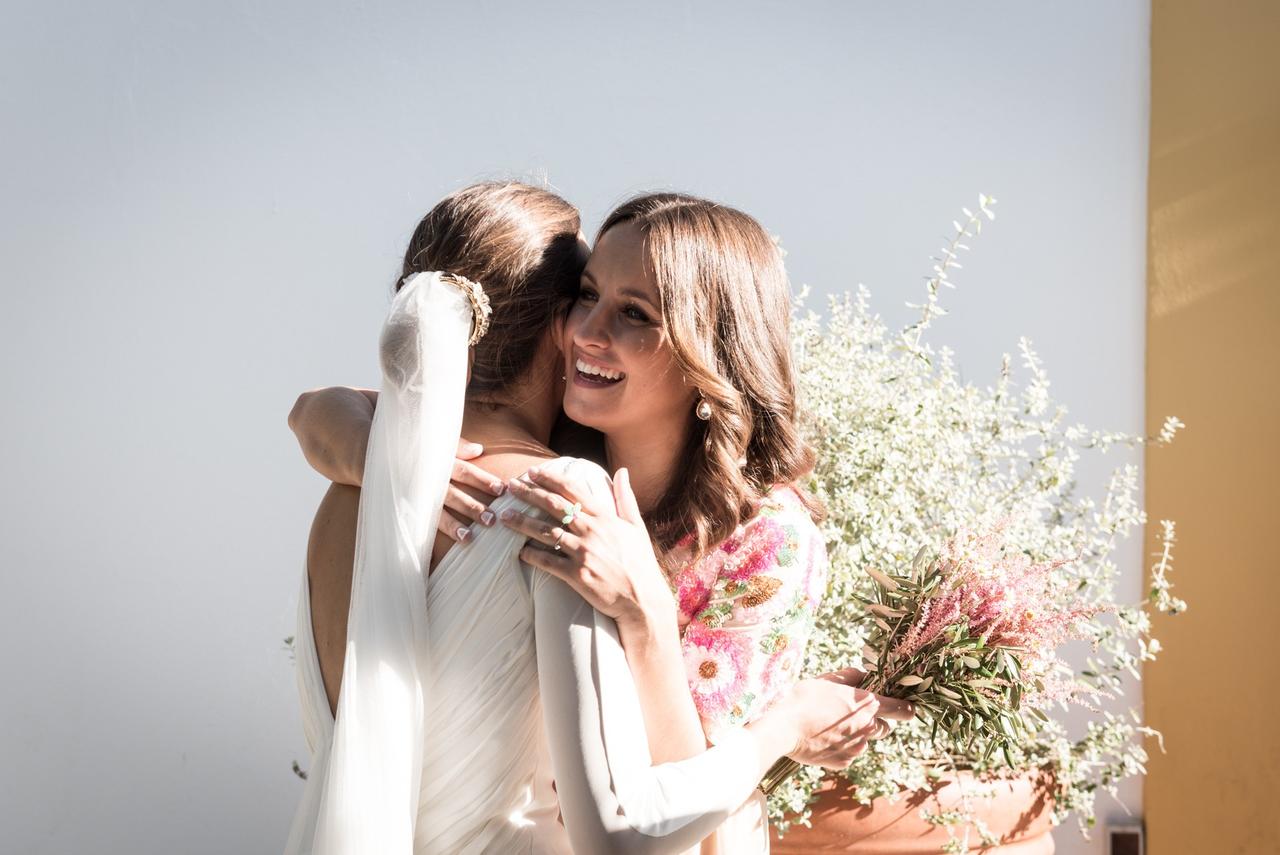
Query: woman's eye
column 586, row 295
column 636, row 314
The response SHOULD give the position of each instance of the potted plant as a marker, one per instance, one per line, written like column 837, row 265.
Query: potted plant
column 908, row 454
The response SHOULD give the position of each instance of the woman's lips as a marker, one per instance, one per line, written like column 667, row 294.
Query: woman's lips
column 592, row 381
column 591, row 375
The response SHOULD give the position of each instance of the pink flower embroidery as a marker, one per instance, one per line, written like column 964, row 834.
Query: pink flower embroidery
column 692, row 584
column 715, row 664
column 758, row 551
column 692, row 596
column 782, row 669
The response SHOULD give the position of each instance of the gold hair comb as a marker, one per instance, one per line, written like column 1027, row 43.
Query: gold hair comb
column 480, row 308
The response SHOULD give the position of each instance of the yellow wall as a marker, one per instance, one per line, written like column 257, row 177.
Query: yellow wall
column 1213, row 360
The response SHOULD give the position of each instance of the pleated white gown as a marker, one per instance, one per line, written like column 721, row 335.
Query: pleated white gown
column 528, row 684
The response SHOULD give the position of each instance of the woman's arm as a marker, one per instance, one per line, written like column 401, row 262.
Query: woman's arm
column 610, row 534
column 613, row 797
column 332, row 426
column 752, row 606
column 656, row 662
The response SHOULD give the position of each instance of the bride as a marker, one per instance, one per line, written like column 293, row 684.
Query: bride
column 459, row 706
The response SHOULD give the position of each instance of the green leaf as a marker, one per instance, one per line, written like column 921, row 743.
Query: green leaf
column 882, row 580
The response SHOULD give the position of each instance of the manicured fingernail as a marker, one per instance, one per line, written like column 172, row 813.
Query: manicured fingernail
column 507, row 515
column 498, row 488
column 464, row 534
column 487, row 518
column 516, row 485
column 472, row 448
column 535, row 472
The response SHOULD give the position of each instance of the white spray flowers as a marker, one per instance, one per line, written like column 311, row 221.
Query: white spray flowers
column 907, row 451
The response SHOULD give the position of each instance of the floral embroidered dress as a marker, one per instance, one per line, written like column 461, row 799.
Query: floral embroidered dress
column 747, row 610
column 746, row 613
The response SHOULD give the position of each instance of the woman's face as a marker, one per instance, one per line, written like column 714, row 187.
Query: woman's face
column 621, row 372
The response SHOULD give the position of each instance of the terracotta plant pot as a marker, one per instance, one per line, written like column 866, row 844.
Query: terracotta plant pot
column 1019, row 813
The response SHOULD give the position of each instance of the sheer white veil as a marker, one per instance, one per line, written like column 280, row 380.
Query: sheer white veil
column 368, row 796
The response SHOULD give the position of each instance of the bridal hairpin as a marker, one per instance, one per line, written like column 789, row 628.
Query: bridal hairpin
column 480, row 308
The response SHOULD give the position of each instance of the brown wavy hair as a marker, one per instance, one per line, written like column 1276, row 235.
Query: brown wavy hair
column 726, row 309
column 522, row 244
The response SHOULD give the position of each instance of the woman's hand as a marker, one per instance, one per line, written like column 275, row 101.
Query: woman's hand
column 603, row 551
column 461, row 509
column 834, row 720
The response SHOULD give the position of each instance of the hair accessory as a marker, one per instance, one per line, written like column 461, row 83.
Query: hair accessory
column 480, row 308
column 703, row 410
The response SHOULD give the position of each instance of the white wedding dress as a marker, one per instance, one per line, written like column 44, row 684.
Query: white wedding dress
column 498, row 679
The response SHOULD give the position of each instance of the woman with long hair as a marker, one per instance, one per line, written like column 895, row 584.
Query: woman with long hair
column 677, row 350
column 696, row 407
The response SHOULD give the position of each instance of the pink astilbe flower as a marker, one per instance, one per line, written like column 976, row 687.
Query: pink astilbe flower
column 980, row 589
column 1056, row 690
column 1002, row 596
column 936, row 616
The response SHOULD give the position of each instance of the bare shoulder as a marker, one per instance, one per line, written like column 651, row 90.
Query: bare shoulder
column 512, row 463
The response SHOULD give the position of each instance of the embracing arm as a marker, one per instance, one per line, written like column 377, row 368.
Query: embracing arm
column 612, row 796
column 612, row 547
column 332, row 426
column 656, row 661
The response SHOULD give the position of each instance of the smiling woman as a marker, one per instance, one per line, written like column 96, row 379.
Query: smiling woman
column 678, row 343
column 677, row 350
column 622, row 375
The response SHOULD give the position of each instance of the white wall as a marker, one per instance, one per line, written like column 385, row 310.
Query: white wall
column 201, row 210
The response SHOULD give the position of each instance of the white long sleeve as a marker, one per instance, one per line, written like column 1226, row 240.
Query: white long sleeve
column 611, row 797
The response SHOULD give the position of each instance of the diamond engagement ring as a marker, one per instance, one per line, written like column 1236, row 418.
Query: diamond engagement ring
column 556, row 546
column 571, row 513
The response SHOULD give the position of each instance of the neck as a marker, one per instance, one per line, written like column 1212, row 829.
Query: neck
column 527, row 409
column 650, row 456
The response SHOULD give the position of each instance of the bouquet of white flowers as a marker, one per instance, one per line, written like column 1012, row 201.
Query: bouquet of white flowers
column 906, row 451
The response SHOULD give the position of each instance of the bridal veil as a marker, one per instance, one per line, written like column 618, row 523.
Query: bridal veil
column 362, row 792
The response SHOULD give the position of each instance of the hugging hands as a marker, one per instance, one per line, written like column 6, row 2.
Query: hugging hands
column 597, row 544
